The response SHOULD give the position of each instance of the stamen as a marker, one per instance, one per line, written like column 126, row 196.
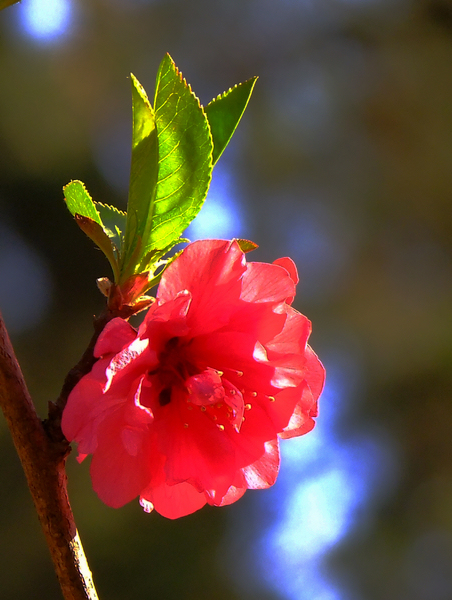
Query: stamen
column 235, row 371
column 271, row 398
column 254, row 394
column 220, row 427
column 247, row 406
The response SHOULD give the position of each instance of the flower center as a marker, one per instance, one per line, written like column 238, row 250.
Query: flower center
column 174, row 369
column 204, row 388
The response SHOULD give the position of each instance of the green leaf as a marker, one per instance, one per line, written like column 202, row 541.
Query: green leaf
column 5, row 3
column 155, row 255
column 114, row 222
column 143, row 171
column 246, row 245
column 79, row 202
column 224, row 114
column 185, row 159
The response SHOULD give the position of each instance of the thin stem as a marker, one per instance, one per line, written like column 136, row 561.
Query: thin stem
column 43, row 462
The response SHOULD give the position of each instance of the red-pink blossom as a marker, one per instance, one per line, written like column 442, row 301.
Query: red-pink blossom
column 188, row 409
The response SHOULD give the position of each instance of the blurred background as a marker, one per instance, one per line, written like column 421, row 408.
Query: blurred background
column 342, row 161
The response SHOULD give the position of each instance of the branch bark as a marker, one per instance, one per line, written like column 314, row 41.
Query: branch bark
column 43, row 461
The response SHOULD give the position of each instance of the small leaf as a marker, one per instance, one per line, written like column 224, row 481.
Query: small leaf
column 5, row 3
column 246, row 245
column 157, row 278
column 114, row 222
column 185, row 158
column 224, row 114
column 79, row 202
column 96, row 233
column 155, row 255
column 143, row 171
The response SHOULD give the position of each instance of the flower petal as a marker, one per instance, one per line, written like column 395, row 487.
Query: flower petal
column 262, row 473
column 289, row 265
column 205, row 388
column 196, row 450
column 116, row 335
column 119, row 470
column 302, row 421
column 266, row 283
column 211, row 270
column 174, row 501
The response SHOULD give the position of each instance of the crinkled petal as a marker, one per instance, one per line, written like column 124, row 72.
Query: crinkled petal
column 233, row 353
column 129, row 363
column 205, row 388
column 256, row 429
column 116, row 335
column 232, row 495
column 236, row 491
column 86, row 407
column 266, row 283
column 257, row 476
column 196, row 450
column 120, row 467
column 166, row 319
column 262, row 473
column 259, row 321
column 280, row 411
column 211, row 270
column 288, row 264
column 302, row 420
column 174, row 501
column 293, row 337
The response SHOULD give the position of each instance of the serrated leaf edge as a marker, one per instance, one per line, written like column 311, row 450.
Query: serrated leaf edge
column 111, row 207
column 237, row 85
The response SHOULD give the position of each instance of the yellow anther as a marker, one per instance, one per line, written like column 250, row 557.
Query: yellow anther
column 220, row 427
column 248, row 406
column 271, row 398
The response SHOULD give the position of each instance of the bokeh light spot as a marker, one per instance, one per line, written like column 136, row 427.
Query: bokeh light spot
column 326, row 490
column 45, row 20
column 221, row 215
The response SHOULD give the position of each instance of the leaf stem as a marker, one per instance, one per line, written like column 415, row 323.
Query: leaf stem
column 43, row 461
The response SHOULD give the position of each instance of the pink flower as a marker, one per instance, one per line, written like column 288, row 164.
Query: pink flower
column 188, row 409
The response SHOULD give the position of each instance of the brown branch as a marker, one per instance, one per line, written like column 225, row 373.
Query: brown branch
column 43, row 462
